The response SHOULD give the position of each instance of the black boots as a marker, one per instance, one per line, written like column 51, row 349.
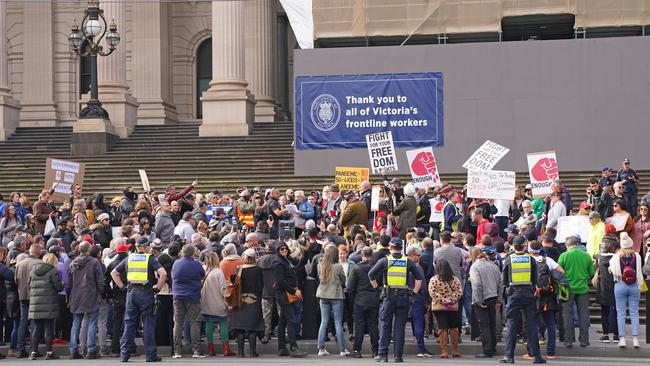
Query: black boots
column 240, row 344
column 252, row 341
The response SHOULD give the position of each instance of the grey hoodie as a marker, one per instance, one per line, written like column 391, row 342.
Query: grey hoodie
column 486, row 281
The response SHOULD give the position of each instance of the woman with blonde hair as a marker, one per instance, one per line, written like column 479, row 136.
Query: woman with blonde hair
column 330, row 294
column 247, row 319
column 79, row 215
column 213, row 304
column 625, row 267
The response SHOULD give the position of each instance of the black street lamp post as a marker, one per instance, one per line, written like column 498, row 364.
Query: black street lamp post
column 85, row 43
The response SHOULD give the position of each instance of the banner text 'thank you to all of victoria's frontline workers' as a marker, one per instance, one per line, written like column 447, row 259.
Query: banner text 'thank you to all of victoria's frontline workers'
column 373, row 106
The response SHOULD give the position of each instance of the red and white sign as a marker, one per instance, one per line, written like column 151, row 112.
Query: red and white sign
column 424, row 168
column 542, row 167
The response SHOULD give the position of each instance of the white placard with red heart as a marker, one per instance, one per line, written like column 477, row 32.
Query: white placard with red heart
column 542, row 168
column 424, row 169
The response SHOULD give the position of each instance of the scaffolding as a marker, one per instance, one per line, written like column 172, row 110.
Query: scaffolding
column 371, row 18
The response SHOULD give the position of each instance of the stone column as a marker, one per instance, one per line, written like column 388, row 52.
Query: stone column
column 9, row 107
column 261, row 57
column 228, row 106
column 114, row 93
column 152, row 63
column 38, row 65
column 283, row 65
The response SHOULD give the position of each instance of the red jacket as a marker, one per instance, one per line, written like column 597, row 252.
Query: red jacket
column 169, row 197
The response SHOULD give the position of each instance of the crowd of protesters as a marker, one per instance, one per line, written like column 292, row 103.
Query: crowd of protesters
column 80, row 273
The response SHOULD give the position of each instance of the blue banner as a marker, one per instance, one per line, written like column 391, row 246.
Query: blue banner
column 337, row 112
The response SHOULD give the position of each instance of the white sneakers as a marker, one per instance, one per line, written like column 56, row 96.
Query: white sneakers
column 177, row 355
column 323, row 352
column 345, row 353
column 635, row 342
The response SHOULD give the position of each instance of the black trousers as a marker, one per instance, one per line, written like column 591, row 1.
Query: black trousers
column 42, row 329
column 286, row 325
column 164, row 320
column 487, row 323
column 366, row 316
column 118, row 323
column 63, row 323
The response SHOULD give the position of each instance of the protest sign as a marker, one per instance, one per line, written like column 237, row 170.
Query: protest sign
column 213, row 208
column 491, row 184
column 374, row 198
column 542, row 167
column 66, row 174
column 424, row 169
column 381, row 152
column 145, row 180
column 338, row 111
column 350, row 178
column 572, row 225
column 486, row 156
column 618, row 221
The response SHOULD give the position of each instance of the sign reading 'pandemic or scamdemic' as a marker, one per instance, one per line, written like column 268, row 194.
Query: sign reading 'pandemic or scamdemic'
column 339, row 111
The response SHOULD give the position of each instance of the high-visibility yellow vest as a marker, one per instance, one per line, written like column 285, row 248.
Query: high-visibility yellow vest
column 520, row 270
column 245, row 218
column 454, row 226
column 138, row 268
column 396, row 273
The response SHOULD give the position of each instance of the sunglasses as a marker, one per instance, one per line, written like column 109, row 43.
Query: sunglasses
column 283, row 249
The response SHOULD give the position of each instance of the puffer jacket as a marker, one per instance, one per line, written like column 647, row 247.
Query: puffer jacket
column 12, row 304
column 44, row 286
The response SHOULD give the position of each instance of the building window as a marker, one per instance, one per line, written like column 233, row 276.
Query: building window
column 203, row 73
column 84, row 72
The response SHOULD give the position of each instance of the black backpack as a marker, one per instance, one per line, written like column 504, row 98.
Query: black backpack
column 544, row 278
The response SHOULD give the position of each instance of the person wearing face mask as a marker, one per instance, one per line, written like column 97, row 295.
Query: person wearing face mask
column 128, row 201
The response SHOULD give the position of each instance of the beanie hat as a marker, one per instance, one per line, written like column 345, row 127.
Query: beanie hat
column 626, row 241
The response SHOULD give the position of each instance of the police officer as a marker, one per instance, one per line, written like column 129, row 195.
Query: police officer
column 629, row 178
column 393, row 270
column 520, row 278
column 141, row 269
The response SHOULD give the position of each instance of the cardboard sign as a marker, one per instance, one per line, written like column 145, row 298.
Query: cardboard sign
column 374, row 198
column 424, row 168
column 542, row 167
column 573, row 225
column 491, row 184
column 66, row 174
column 350, row 178
column 618, row 221
column 486, row 156
column 145, row 180
column 381, row 152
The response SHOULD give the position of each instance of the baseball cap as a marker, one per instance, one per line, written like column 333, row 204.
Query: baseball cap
column 55, row 249
column 519, row 240
column 335, row 188
column 123, row 248
column 528, row 186
column 512, row 229
column 605, row 169
column 396, row 180
column 396, row 242
column 143, row 241
column 103, row 217
column 584, row 204
column 20, row 228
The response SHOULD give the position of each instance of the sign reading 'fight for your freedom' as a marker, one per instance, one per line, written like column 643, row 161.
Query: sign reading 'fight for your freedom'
column 334, row 112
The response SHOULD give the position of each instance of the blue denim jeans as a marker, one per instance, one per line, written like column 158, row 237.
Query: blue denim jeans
column 22, row 326
column 417, row 324
column 14, row 333
column 326, row 306
column 92, row 331
column 627, row 296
